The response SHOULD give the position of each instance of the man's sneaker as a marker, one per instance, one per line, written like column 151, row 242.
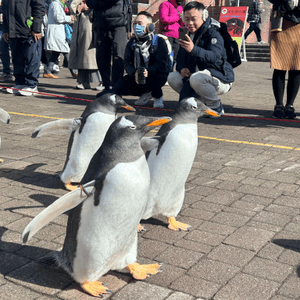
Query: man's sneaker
column 6, row 77
column 144, row 99
column 219, row 110
column 28, row 91
column 15, row 89
column 158, row 102
column 261, row 42
column 279, row 112
column 289, row 112
column 50, row 75
column 55, row 69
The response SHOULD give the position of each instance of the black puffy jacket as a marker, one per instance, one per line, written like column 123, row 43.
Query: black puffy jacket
column 109, row 14
column 17, row 12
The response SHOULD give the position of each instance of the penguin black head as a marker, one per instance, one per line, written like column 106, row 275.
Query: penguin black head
column 194, row 108
column 113, row 102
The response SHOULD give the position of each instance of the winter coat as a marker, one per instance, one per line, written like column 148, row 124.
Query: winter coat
column 55, row 38
column 254, row 13
column 110, row 14
column 15, row 16
column 170, row 19
column 291, row 13
column 157, row 60
column 82, row 54
column 208, row 53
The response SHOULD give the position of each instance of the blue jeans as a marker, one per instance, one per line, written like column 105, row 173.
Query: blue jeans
column 26, row 58
column 4, row 56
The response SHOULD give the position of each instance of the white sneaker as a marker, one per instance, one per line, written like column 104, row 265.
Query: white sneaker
column 15, row 89
column 80, row 86
column 99, row 87
column 144, row 99
column 28, row 91
column 55, row 69
column 261, row 42
column 158, row 102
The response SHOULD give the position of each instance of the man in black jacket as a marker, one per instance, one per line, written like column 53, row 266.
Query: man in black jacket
column 145, row 62
column 112, row 22
column 202, row 69
column 22, row 21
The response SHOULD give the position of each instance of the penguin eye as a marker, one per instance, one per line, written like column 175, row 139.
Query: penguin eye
column 194, row 107
column 132, row 127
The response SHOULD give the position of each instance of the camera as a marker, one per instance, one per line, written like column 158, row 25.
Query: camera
column 141, row 77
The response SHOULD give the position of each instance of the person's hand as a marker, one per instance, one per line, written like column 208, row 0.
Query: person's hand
column 72, row 18
column 136, row 76
column 185, row 72
column 6, row 37
column 146, row 73
column 187, row 45
column 36, row 35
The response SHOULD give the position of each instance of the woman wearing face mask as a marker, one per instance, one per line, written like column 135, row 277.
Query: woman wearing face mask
column 145, row 63
column 170, row 20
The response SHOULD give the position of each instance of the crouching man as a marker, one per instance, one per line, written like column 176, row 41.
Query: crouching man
column 202, row 68
column 145, row 62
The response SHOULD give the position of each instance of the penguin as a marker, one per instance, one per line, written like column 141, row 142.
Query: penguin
column 87, row 134
column 171, row 162
column 5, row 118
column 105, row 212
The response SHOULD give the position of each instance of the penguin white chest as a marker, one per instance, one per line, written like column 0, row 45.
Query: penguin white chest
column 107, row 232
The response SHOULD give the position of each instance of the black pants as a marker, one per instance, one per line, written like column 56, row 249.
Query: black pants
column 128, row 86
column 110, row 46
column 254, row 27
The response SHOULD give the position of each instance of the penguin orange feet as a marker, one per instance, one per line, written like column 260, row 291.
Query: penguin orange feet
column 141, row 272
column 95, row 288
column 178, row 226
column 141, row 228
column 70, row 187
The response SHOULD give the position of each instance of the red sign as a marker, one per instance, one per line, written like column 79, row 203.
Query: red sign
column 235, row 19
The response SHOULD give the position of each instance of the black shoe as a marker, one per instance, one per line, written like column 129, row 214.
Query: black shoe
column 279, row 112
column 289, row 112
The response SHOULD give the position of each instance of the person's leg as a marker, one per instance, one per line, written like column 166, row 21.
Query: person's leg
column 175, row 81
column 249, row 30
column 257, row 31
column 4, row 55
column 175, row 46
column 119, row 45
column 292, row 91
column 278, row 85
column 103, row 57
column 127, row 86
column 53, row 56
column 155, row 84
column 18, row 60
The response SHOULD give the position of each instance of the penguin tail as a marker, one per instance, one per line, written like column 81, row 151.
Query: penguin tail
column 49, row 262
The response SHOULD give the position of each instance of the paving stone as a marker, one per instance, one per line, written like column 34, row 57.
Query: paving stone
column 142, row 291
column 7, row 217
column 249, row 238
column 264, row 226
column 261, row 200
column 214, row 271
column 16, row 292
column 230, row 177
column 248, row 206
column 271, row 251
column 268, row 269
column 195, row 286
column 223, row 197
column 12, row 262
column 230, row 219
column 291, row 288
column 179, row 257
column 149, row 248
column 244, row 286
column 205, row 237
column 180, row 296
column 272, row 218
column 197, row 213
column 290, row 211
column 229, row 186
column 290, row 257
column 239, row 211
column 288, row 201
column 216, row 228
column 253, row 181
column 280, row 298
column 231, row 255
column 207, row 206
column 287, row 239
column 194, row 246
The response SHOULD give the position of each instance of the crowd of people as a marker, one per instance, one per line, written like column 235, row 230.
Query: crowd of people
column 98, row 46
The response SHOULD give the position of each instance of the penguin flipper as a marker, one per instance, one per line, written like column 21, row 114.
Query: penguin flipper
column 65, row 125
column 4, row 116
column 149, row 143
column 61, row 205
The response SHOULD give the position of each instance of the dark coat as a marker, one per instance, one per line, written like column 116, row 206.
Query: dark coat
column 208, row 53
column 109, row 14
column 157, row 61
column 15, row 16
column 254, row 13
column 290, row 13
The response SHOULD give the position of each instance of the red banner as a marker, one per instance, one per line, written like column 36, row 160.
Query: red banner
column 235, row 19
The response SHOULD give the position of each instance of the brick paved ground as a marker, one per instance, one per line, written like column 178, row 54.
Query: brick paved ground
column 242, row 200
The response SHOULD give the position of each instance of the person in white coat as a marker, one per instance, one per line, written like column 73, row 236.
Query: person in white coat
column 55, row 38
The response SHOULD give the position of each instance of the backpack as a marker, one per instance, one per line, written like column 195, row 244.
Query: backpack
column 231, row 46
column 170, row 59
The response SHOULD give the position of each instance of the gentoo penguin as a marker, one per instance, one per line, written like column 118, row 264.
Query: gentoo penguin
column 87, row 135
column 101, row 230
column 5, row 118
column 171, row 162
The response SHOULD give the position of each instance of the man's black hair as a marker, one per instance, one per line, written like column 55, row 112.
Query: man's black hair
column 145, row 13
column 194, row 4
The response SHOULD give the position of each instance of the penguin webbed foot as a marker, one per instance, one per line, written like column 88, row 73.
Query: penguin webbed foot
column 141, row 228
column 70, row 187
column 178, row 226
column 95, row 288
column 141, row 272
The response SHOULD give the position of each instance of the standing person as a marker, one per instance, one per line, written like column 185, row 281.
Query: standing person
column 82, row 55
column 112, row 23
column 202, row 67
column 285, row 57
column 55, row 37
column 170, row 21
column 254, row 19
column 22, row 22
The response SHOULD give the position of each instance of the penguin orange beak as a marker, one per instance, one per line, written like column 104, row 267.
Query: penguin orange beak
column 160, row 121
column 212, row 113
column 128, row 107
